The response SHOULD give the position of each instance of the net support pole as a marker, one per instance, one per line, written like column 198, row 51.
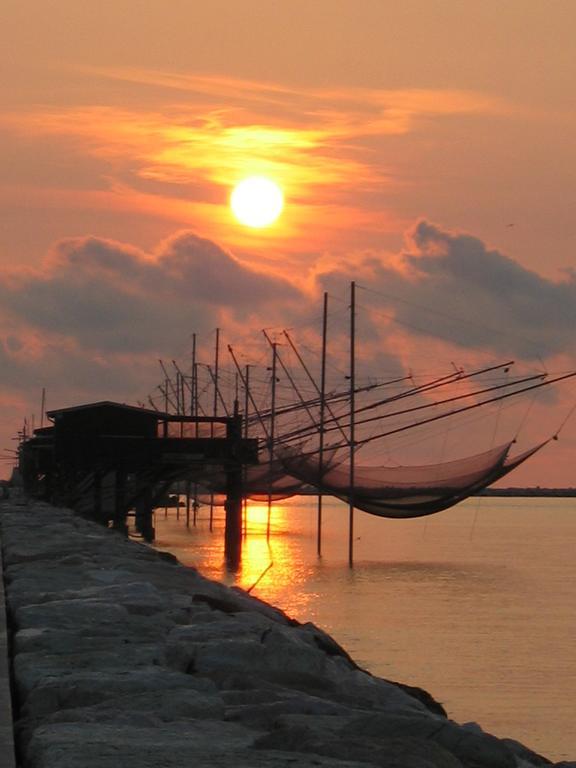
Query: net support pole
column 352, row 421
column 215, row 410
column 272, row 431
column 322, row 420
column 194, row 412
column 246, row 383
column 166, row 382
column 42, row 407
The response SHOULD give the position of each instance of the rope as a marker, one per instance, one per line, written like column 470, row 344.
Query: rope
column 564, row 422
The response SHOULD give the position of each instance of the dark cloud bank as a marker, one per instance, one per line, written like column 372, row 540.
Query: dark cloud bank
column 453, row 287
column 107, row 310
column 112, row 297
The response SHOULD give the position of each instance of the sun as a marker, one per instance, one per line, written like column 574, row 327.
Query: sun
column 257, row 202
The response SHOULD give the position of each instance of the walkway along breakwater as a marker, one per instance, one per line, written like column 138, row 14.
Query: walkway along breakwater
column 121, row 656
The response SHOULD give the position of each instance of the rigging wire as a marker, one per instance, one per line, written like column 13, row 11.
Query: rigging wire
column 455, row 318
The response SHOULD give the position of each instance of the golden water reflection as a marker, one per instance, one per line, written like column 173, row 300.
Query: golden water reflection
column 271, row 567
column 273, row 564
column 489, row 581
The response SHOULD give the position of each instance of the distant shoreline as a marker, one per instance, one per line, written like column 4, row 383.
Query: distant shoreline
column 543, row 492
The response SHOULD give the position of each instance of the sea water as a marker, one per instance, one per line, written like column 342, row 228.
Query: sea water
column 475, row 604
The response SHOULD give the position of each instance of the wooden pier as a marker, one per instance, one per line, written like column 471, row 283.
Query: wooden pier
column 106, row 460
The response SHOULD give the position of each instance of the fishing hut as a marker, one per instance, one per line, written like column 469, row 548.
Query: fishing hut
column 106, row 460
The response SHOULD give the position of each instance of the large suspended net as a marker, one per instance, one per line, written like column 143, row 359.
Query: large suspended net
column 305, row 422
column 408, row 491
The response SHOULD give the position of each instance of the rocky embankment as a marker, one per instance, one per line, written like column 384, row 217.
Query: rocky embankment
column 123, row 657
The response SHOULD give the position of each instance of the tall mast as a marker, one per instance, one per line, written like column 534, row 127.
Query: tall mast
column 194, row 384
column 216, row 370
column 352, row 421
column 290, row 378
column 182, row 394
column 246, row 398
column 246, row 382
column 193, row 378
column 311, row 378
column 42, row 407
column 272, row 431
column 215, row 410
column 249, row 393
column 322, row 419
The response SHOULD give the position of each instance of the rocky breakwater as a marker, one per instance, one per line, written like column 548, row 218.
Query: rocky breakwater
column 123, row 657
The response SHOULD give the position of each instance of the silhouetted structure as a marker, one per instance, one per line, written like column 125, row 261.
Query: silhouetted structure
column 104, row 459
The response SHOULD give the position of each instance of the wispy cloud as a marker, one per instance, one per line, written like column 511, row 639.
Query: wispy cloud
column 198, row 136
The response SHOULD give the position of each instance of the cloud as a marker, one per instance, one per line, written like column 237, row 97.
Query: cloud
column 318, row 143
column 111, row 297
column 92, row 321
column 453, row 287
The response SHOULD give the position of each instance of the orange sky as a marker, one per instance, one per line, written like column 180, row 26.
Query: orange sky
column 123, row 129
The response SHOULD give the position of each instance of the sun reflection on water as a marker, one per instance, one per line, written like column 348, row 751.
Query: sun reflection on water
column 475, row 598
column 273, row 567
column 281, row 583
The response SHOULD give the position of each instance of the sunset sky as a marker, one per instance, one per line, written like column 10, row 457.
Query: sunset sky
column 425, row 148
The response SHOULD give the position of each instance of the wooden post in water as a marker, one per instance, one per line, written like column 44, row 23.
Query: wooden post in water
column 321, row 425
column 352, row 421
column 233, row 505
column 98, row 496
column 143, row 516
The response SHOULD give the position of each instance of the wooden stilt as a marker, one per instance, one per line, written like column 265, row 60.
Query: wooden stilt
column 144, row 515
column 98, row 497
column 119, row 520
column 233, row 505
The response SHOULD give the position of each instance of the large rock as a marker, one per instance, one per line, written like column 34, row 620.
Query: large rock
column 286, row 657
column 83, row 689
column 392, row 752
column 161, row 706
column 124, row 657
column 223, row 745
column 32, row 669
column 470, row 744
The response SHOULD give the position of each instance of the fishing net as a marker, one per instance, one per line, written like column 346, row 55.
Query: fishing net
column 408, row 491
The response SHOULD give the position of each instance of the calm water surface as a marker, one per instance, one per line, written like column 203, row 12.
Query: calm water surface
column 475, row 604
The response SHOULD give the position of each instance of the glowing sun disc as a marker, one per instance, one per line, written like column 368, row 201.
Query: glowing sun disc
column 257, row 201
